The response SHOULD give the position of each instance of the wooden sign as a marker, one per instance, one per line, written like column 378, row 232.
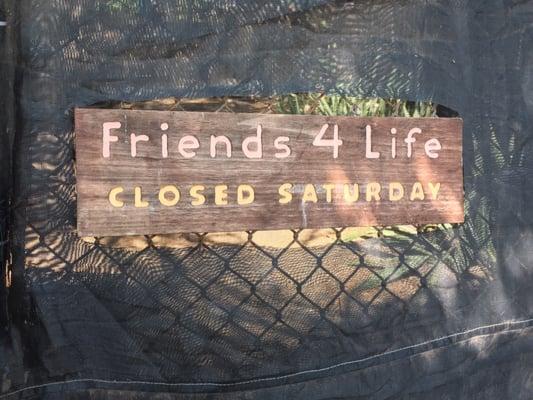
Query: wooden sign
column 154, row 172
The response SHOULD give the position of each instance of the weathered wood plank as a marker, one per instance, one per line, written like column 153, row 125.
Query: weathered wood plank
column 179, row 153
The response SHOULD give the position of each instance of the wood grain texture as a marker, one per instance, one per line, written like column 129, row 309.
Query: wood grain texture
column 306, row 165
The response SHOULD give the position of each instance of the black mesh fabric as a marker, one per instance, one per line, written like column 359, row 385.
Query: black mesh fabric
column 6, row 139
column 445, row 314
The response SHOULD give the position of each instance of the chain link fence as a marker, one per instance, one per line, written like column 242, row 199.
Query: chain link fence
column 203, row 307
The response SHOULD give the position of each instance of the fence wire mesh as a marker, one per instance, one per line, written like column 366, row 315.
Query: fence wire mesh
column 232, row 306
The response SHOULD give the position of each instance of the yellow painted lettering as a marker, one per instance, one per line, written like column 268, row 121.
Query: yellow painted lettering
column 173, row 191
column 434, row 190
column 351, row 195
column 396, row 191
column 285, row 193
column 329, row 187
column 418, row 192
column 309, row 194
column 221, row 195
column 198, row 198
column 245, row 195
column 113, row 197
column 139, row 202
column 373, row 190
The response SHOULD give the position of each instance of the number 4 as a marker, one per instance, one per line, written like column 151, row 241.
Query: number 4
column 335, row 142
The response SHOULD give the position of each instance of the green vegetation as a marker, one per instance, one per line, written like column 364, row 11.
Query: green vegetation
column 119, row 5
column 346, row 105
